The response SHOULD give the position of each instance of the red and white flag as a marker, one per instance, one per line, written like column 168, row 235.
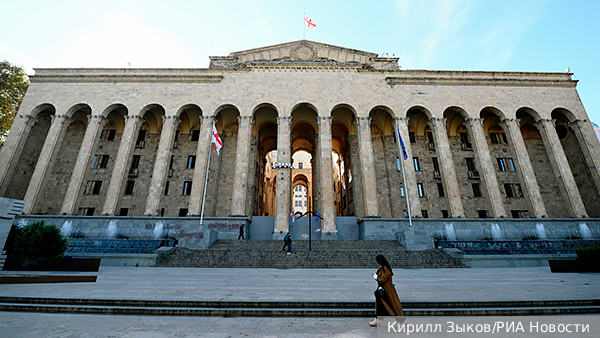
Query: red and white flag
column 293, row 215
column 216, row 140
column 310, row 23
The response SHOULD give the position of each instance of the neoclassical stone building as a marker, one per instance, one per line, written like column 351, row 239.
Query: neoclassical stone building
column 136, row 142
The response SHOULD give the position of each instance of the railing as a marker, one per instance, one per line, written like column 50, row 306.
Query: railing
column 175, row 144
column 466, row 146
column 170, row 173
column 437, row 174
column 431, row 146
column 133, row 172
column 140, row 144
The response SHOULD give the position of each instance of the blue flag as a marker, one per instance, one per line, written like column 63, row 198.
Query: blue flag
column 402, row 144
column 317, row 212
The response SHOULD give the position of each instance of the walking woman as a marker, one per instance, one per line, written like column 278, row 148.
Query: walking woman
column 387, row 302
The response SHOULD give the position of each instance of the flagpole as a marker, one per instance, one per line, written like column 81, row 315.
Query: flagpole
column 205, row 183
column 404, row 177
column 304, row 27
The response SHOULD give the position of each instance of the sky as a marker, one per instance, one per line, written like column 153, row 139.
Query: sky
column 482, row 35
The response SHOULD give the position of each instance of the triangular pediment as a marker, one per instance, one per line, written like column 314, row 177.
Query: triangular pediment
column 303, row 51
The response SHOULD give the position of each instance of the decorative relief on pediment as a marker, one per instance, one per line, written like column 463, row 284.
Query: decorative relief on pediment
column 304, row 52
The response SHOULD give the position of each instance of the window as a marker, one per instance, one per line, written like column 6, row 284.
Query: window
column 162, row 212
column 444, row 213
column 501, row 166
column 141, row 140
column 108, row 135
column 172, row 162
column 482, row 213
column 187, row 188
column 402, row 189
column 518, row 190
column 430, row 137
column 416, row 162
column 129, row 187
column 300, row 165
column 100, row 161
column 86, row 211
column 92, row 188
column 498, row 138
column 411, row 136
column 511, row 164
column 440, row 187
column 183, row 212
column 509, row 190
column 123, row 211
column 424, row 214
column 421, row 189
column 436, row 165
column 195, row 135
column 516, row 214
column 476, row 190
column 135, row 162
column 398, row 164
column 191, row 162
column 176, row 136
column 471, row 164
column 167, row 188
column 304, row 202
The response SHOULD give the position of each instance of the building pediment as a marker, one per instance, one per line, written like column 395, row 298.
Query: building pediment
column 303, row 52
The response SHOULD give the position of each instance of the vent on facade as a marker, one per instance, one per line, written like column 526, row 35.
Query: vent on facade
column 436, row 174
column 170, row 173
column 474, row 175
column 431, row 146
column 175, row 144
column 133, row 172
column 466, row 146
column 140, row 144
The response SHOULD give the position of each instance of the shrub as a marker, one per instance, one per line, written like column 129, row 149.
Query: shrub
column 38, row 240
column 588, row 254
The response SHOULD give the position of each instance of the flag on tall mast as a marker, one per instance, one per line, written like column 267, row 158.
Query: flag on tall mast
column 310, row 25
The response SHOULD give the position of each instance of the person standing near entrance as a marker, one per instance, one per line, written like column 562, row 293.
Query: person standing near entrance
column 387, row 302
column 241, row 236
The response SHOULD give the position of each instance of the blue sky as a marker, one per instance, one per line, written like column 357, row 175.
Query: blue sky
column 525, row 35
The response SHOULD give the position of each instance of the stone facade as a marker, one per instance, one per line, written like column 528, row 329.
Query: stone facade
column 136, row 142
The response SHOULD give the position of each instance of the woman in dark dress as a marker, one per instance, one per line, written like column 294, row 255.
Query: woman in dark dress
column 387, row 304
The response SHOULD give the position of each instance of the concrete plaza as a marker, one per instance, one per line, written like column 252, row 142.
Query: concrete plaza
column 272, row 284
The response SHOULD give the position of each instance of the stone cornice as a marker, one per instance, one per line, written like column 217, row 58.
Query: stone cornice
column 458, row 78
column 303, row 66
column 110, row 78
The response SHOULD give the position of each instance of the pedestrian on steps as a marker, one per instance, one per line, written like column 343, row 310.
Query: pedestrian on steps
column 287, row 241
column 387, row 302
column 241, row 236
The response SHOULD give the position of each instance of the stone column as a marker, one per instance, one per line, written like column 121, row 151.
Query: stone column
column 283, row 176
column 161, row 164
column 119, row 174
column 561, row 168
column 50, row 150
column 365, row 145
column 13, row 148
column 588, row 143
column 442, row 146
column 240, row 180
column 487, row 170
column 410, row 186
column 524, row 167
column 202, row 153
column 90, row 142
column 327, row 181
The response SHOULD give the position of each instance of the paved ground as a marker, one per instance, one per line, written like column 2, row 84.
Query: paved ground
column 272, row 284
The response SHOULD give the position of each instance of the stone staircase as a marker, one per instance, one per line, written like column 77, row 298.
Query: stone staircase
column 324, row 254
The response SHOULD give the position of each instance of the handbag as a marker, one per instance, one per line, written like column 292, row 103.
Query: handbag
column 381, row 291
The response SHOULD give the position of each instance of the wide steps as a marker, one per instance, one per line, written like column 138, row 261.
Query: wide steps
column 324, row 254
column 294, row 308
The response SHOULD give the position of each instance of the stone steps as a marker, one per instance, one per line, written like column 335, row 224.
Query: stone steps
column 324, row 254
column 293, row 308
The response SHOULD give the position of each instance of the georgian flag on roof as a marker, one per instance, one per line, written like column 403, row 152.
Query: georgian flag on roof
column 216, row 140
column 310, row 23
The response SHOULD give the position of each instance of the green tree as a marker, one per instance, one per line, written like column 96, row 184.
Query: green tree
column 13, row 86
column 36, row 240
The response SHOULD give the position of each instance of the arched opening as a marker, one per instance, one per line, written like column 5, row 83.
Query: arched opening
column 141, row 163
column 427, row 166
column 547, row 182
column 55, row 186
column 41, row 118
column 301, row 185
column 182, row 162
column 345, row 149
column 579, row 166
column 220, row 177
column 304, row 143
column 264, row 141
